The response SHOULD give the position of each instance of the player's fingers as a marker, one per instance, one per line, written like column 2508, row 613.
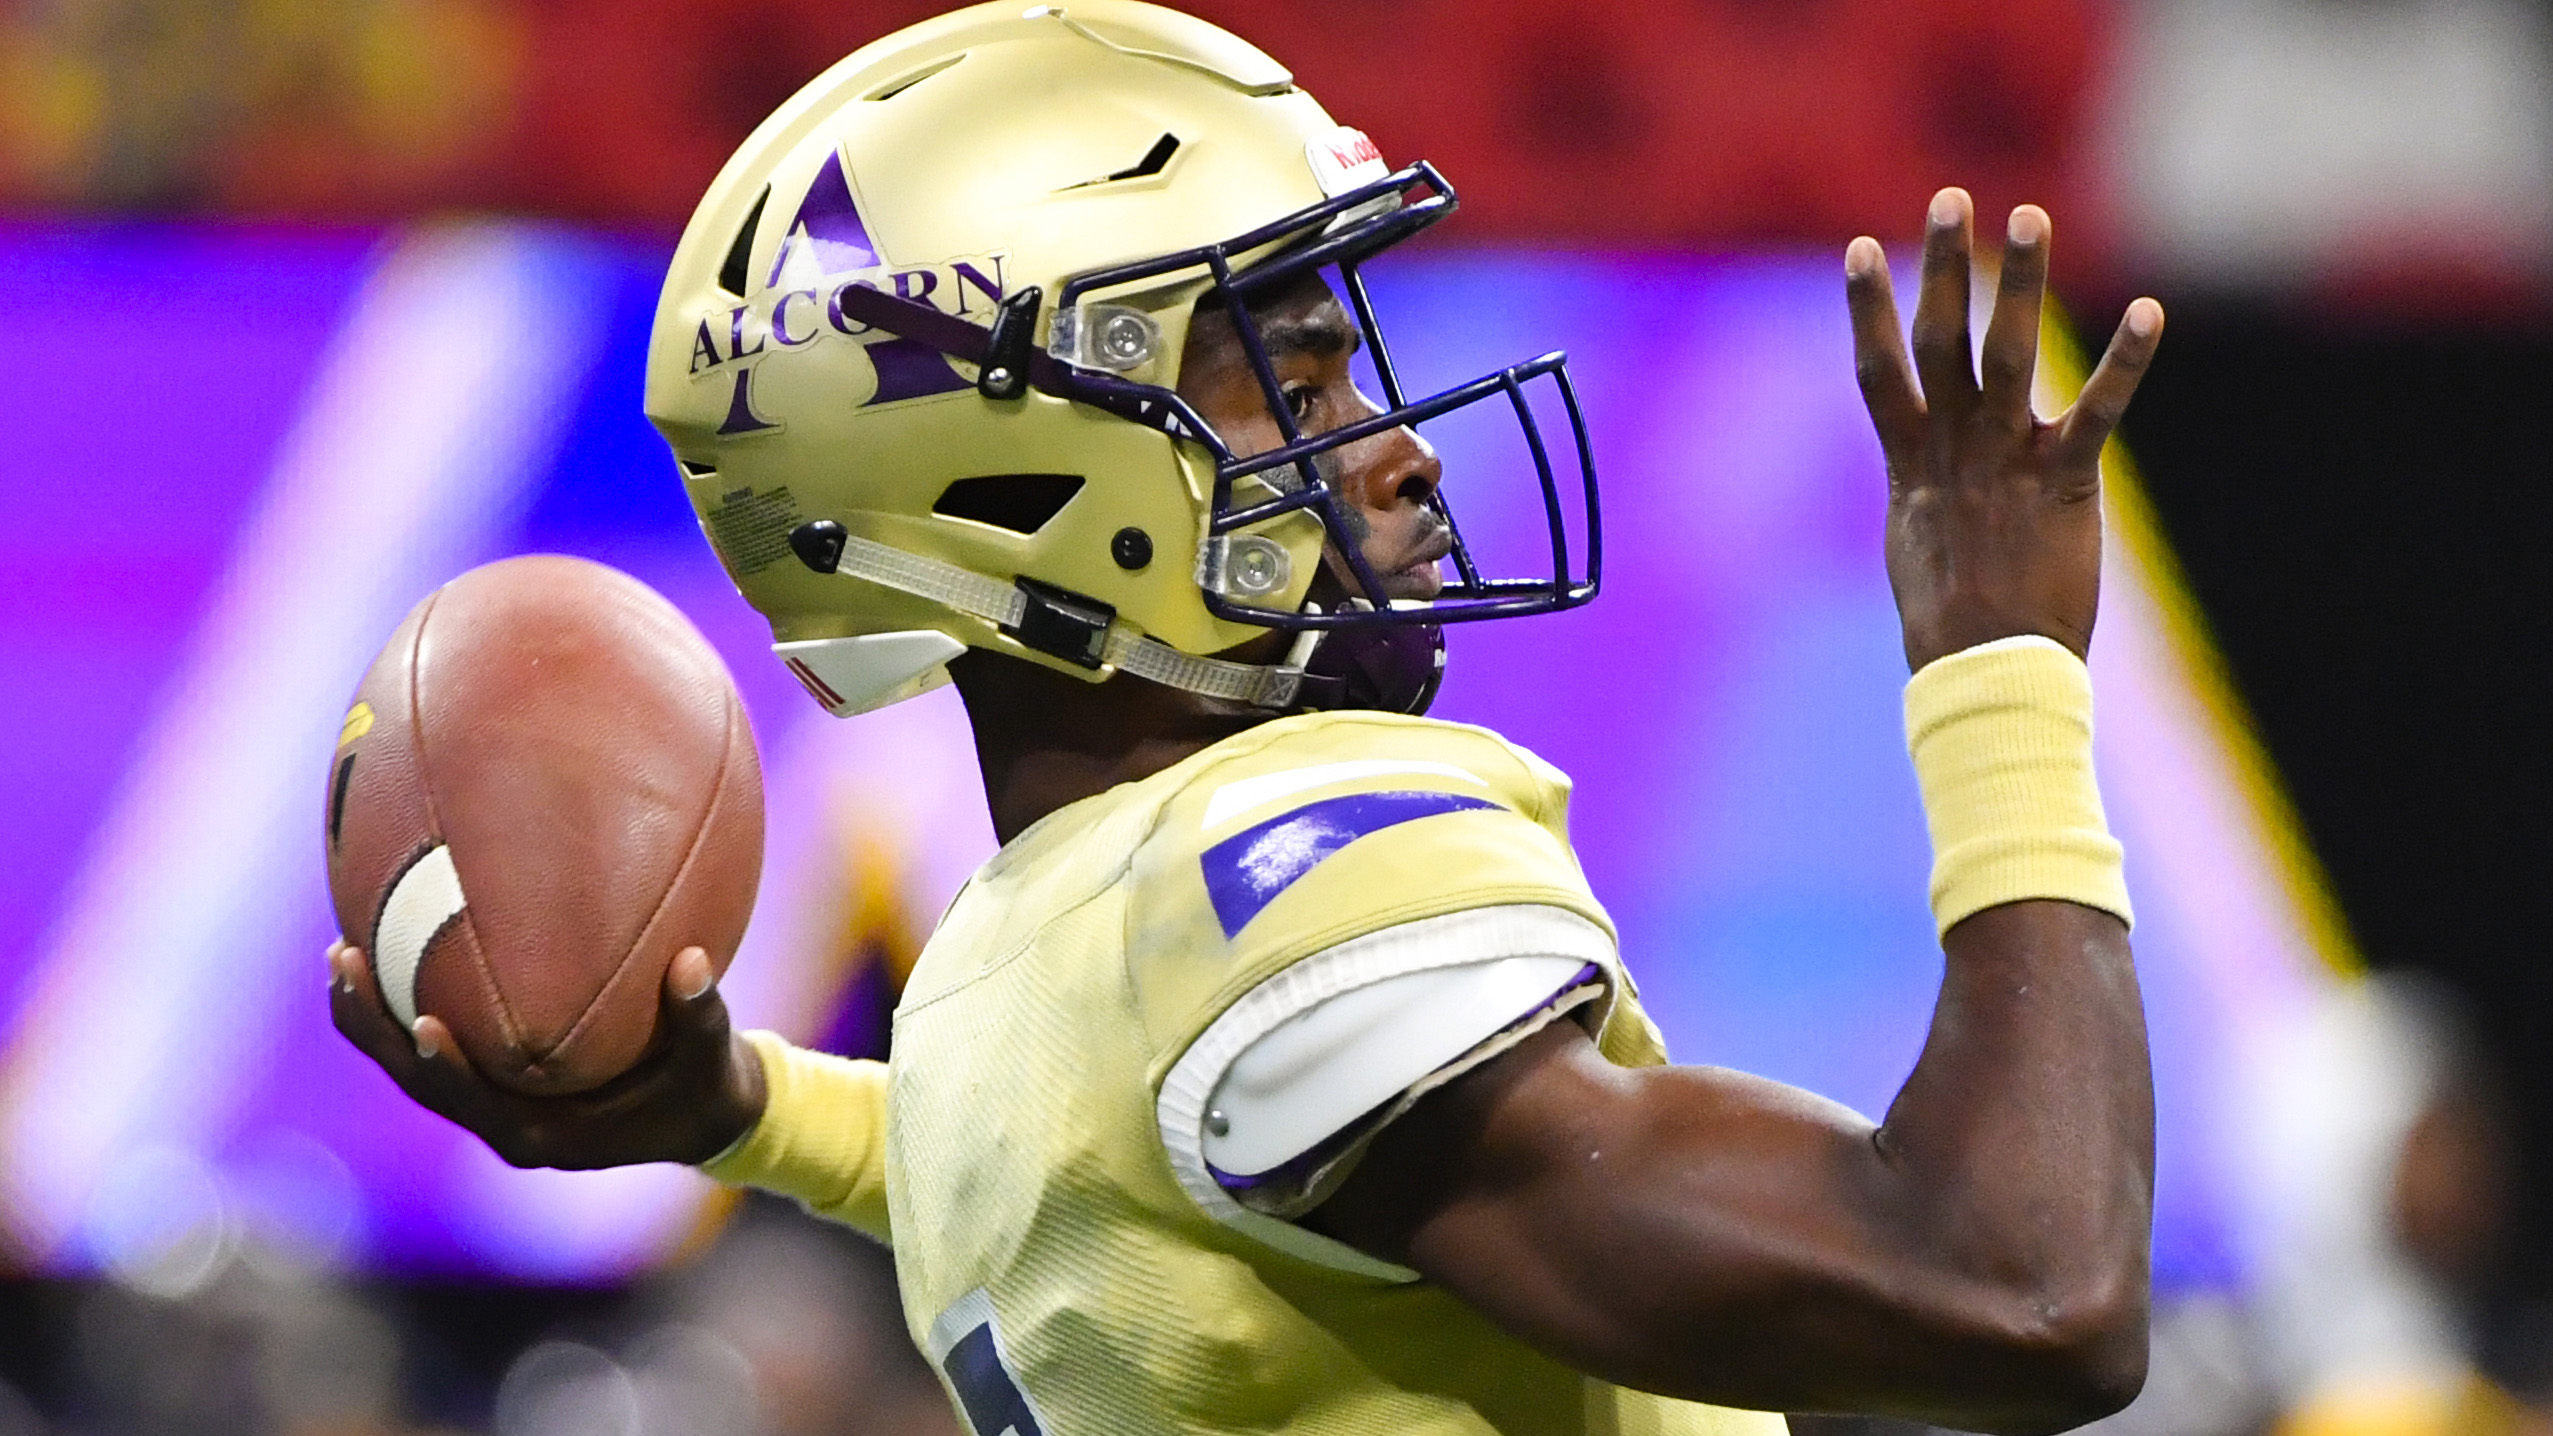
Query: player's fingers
column 434, row 1041
column 1879, row 351
column 1941, row 310
column 2009, row 358
column 2104, row 400
column 354, row 1004
column 419, row 1059
column 442, row 1078
column 520, row 1130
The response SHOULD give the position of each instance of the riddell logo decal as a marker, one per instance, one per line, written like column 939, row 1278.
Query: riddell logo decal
column 828, row 251
column 1344, row 159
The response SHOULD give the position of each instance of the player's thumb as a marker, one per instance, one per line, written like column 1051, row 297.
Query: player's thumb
column 689, row 979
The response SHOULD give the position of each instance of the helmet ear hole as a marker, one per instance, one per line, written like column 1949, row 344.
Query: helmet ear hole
column 1021, row 503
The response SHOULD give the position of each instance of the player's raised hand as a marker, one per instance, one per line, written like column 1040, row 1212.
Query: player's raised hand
column 699, row 1090
column 1994, row 515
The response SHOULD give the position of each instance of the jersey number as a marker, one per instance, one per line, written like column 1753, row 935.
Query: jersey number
column 995, row 1406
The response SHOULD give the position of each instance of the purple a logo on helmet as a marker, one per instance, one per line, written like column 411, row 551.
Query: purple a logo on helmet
column 829, row 223
column 826, row 250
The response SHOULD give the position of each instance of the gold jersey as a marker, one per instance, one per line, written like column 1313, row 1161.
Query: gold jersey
column 1071, row 1257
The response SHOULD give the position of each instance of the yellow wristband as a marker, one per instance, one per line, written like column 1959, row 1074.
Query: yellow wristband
column 2002, row 740
column 822, row 1137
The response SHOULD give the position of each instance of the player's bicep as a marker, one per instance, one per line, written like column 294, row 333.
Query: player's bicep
column 1636, row 1222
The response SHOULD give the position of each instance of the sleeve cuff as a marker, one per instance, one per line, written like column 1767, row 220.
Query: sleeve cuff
column 822, row 1137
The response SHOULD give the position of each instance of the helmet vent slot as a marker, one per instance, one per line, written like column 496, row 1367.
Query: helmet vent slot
column 731, row 275
column 902, row 83
column 1155, row 160
column 1021, row 503
column 697, row 471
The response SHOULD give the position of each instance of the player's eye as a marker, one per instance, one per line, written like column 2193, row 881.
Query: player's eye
column 1298, row 400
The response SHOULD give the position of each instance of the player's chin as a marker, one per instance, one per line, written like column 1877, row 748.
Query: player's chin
column 1420, row 582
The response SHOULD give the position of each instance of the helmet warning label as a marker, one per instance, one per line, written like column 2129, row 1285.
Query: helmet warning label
column 751, row 530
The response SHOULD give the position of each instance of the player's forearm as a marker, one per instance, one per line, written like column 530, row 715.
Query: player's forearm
column 2019, row 1156
column 2019, row 1160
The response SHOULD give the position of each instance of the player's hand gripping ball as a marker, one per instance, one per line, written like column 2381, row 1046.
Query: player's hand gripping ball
column 545, row 790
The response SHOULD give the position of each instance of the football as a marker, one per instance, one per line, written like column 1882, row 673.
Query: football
column 544, row 790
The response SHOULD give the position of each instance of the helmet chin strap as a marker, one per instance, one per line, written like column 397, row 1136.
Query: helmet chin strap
column 1389, row 670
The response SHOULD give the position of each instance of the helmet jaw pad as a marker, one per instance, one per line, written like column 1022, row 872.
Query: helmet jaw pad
column 870, row 670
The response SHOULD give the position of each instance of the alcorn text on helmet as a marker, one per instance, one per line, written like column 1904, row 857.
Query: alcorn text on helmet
column 917, row 351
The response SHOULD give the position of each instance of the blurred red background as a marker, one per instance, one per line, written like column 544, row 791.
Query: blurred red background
column 1607, row 122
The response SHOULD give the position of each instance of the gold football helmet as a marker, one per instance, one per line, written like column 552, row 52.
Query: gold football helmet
column 917, row 354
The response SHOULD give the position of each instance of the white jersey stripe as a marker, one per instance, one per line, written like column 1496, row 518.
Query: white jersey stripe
column 1234, row 799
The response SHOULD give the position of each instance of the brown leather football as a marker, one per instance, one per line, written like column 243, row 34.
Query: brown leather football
column 545, row 789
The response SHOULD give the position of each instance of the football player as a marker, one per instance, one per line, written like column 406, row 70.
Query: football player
column 1280, row 1072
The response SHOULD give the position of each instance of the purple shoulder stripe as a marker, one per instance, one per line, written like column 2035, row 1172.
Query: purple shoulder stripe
column 1245, row 872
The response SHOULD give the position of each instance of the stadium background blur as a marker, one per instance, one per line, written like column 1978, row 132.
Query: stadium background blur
column 314, row 302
